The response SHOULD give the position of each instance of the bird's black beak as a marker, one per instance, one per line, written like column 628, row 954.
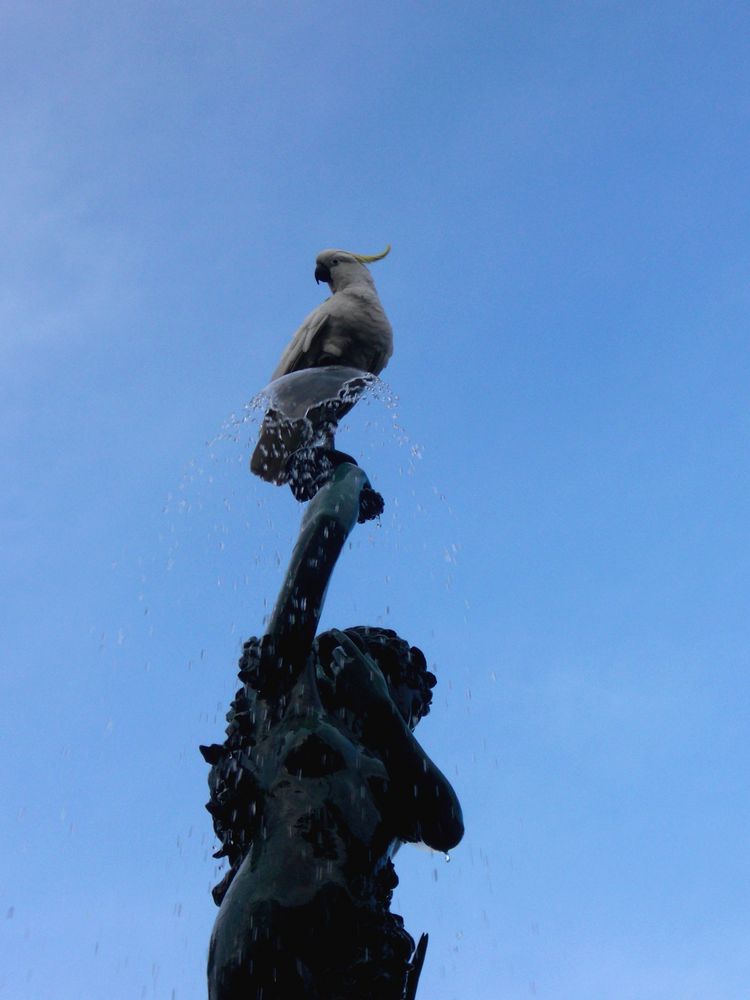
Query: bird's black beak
column 322, row 274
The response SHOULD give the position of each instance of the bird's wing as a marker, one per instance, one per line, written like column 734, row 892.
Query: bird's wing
column 301, row 350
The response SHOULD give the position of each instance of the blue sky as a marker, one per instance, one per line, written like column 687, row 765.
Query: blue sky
column 565, row 186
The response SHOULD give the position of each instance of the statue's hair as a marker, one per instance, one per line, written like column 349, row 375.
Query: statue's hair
column 399, row 662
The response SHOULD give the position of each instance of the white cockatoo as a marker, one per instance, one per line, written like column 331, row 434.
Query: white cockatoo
column 349, row 329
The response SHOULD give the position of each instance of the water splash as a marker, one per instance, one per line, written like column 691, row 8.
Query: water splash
column 296, row 394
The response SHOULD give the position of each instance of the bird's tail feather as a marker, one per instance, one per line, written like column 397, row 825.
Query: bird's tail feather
column 279, row 438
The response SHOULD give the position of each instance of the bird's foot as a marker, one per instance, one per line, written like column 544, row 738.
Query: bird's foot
column 308, row 469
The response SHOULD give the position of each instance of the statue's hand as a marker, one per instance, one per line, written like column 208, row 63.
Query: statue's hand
column 359, row 681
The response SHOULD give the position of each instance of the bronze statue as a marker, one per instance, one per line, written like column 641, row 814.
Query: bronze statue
column 319, row 781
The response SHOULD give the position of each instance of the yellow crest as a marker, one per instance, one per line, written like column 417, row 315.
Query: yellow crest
column 364, row 258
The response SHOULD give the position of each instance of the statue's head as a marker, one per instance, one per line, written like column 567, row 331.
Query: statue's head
column 403, row 666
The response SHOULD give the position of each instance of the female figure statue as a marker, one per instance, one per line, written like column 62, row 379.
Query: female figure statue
column 319, row 781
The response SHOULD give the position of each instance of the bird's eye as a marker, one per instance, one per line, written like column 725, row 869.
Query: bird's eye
column 334, row 262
